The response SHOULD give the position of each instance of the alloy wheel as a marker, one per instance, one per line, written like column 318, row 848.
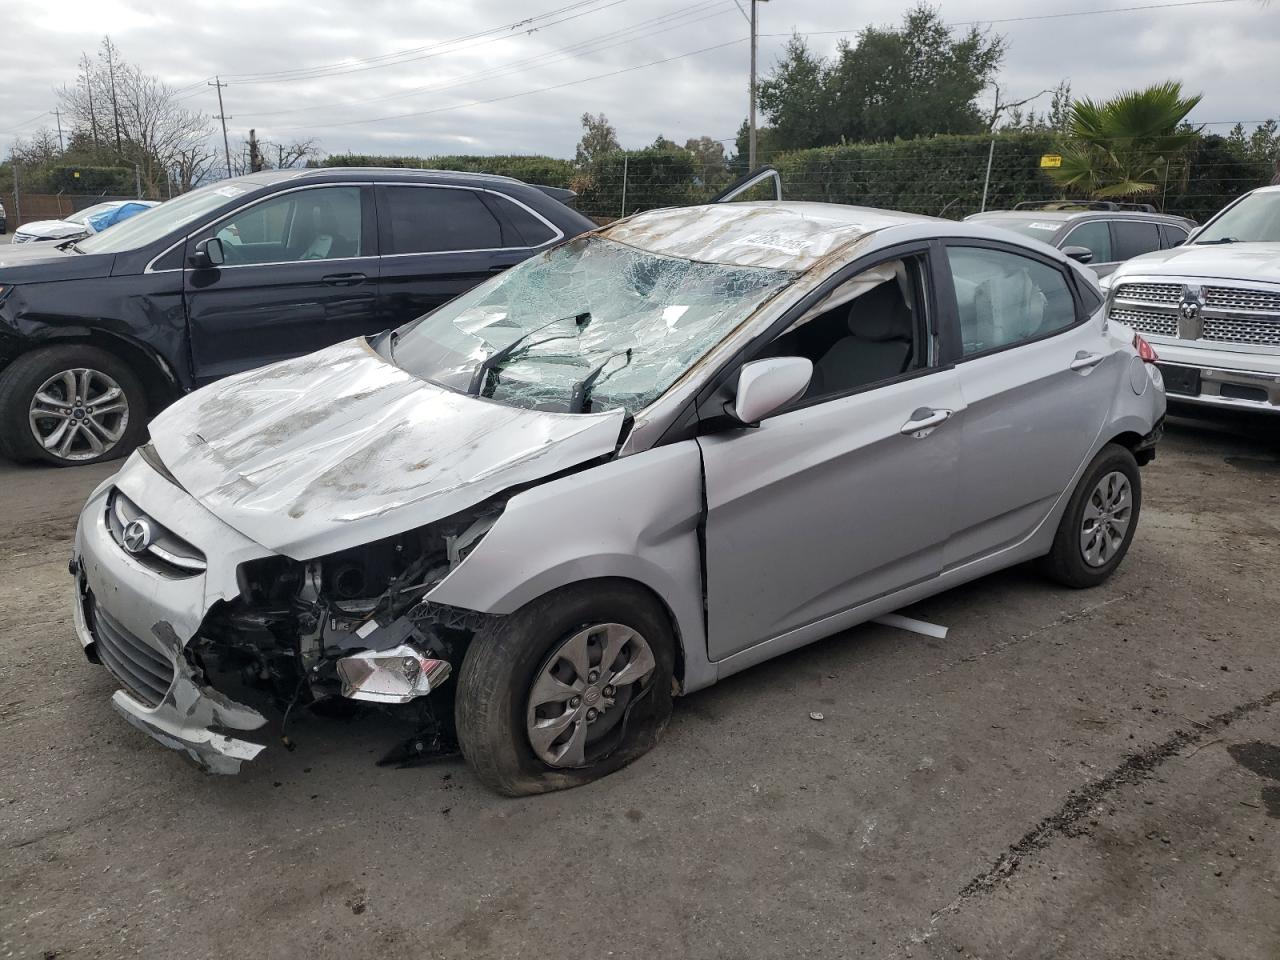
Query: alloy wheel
column 1107, row 514
column 79, row 414
column 582, row 691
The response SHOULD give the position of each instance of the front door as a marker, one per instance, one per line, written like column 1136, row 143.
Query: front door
column 848, row 495
column 1038, row 377
column 300, row 273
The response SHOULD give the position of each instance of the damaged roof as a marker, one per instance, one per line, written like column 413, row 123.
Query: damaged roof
column 780, row 235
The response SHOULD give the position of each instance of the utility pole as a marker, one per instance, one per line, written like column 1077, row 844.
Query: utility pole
column 255, row 158
column 58, row 116
column 222, row 115
column 751, row 119
column 137, row 180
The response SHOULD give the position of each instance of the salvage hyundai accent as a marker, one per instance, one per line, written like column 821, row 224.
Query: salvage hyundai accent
column 633, row 465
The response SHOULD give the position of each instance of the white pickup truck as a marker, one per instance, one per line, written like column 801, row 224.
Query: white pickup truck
column 1211, row 307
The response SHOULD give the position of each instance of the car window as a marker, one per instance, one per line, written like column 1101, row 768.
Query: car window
column 317, row 224
column 867, row 330
column 1095, row 236
column 1172, row 236
column 1134, row 237
column 530, row 230
column 1004, row 298
column 439, row 220
column 1255, row 218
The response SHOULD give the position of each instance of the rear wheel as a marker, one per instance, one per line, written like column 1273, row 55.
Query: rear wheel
column 566, row 690
column 1100, row 520
column 70, row 405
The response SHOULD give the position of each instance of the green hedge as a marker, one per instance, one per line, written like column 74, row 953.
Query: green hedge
column 654, row 178
column 117, row 181
column 544, row 171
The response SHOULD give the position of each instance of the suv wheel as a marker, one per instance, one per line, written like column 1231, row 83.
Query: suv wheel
column 566, row 690
column 1098, row 525
column 70, row 405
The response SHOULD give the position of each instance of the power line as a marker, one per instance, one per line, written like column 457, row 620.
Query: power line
column 524, row 93
column 42, row 113
column 675, row 20
column 424, row 53
column 1038, row 16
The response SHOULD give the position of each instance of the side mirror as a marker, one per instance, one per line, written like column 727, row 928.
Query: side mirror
column 767, row 385
column 1079, row 254
column 207, row 254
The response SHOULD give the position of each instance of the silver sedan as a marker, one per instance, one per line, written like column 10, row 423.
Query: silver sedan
column 654, row 456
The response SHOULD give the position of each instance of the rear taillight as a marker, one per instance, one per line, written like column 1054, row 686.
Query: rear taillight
column 1146, row 353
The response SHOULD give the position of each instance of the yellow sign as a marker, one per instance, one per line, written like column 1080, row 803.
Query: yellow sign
column 1051, row 160
column 76, row 174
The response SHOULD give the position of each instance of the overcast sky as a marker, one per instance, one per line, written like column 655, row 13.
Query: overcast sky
column 1227, row 50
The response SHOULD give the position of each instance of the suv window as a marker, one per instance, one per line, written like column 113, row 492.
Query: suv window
column 530, row 231
column 317, row 224
column 1003, row 298
column 1095, row 236
column 1133, row 237
column 867, row 330
column 440, row 219
column 1172, row 236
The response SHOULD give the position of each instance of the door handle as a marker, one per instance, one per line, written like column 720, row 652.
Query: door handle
column 1087, row 361
column 923, row 421
column 344, row 279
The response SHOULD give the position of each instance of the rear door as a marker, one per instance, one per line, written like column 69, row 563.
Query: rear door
column 1134, row 237
column 1094, row 236
column 300, row 273
column 1038, row 378
column 440, row 241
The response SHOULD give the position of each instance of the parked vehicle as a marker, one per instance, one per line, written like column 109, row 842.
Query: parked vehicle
column 4, row 220
column 657, row 455
column 1212, row 307
column 1100, row 233
column 82, row 223
column 96, row 335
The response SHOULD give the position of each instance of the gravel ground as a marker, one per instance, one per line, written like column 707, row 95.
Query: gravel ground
column 1067, row 774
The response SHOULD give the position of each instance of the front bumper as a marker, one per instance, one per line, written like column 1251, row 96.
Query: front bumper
column 1222, row 378
column 136, row 622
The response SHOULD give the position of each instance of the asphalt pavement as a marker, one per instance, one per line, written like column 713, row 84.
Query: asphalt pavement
column 1068, row 775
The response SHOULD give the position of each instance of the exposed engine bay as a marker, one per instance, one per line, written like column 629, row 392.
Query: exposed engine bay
column 352, row 625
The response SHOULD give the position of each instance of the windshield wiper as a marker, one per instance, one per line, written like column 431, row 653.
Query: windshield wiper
column 580, row 398
column 480, row 379
column 1208, row 243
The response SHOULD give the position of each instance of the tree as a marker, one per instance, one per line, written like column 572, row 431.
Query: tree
column 598, row 138
column 133, row 118
column 709, row 159
column 911, row 81
column 1128, row 146
column 274, row 156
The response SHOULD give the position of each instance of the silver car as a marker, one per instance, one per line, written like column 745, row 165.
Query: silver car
column 649, row 458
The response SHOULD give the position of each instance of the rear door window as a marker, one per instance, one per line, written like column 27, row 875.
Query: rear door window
column 1133, row 237
column 1094, row 236
column 439, row 220
column 1172, row 236
column 1004, row 298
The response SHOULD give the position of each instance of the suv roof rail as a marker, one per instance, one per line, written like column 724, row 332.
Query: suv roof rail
column 1083, row 205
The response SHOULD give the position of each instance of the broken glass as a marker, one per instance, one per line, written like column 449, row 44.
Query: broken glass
column 624, row 322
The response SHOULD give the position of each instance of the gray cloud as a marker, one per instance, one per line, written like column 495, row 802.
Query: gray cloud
column 1226, row 50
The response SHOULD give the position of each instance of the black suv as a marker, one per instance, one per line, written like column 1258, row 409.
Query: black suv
column 1101, row 233
column 98, row 334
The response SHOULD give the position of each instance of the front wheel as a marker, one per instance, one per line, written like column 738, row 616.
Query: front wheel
column 569, row 688
column 70, row 405
column 1098, row 526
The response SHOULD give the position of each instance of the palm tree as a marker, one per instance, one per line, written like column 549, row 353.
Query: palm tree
column 1126, row 146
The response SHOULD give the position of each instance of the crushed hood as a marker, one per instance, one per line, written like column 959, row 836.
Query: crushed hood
column 1226, row 261
column 341, row 447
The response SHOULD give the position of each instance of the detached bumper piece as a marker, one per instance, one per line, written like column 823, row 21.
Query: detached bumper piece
column 162, row 697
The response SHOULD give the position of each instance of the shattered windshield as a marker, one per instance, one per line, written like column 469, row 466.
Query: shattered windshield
column 590, row 325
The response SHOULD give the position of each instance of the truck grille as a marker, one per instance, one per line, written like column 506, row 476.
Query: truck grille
column 142, row 669
column 1234, row 298
column 1148, row 321
column 1226, row 315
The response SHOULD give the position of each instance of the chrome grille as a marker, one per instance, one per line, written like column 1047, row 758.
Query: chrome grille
column 167, row 554
column 1261, row 332
column 146, row 672
column 1150, row 292
column 1148, row 321
column 1237, row 298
